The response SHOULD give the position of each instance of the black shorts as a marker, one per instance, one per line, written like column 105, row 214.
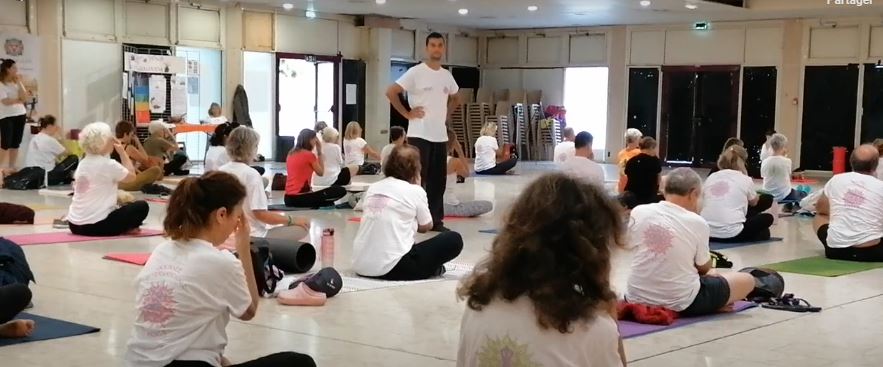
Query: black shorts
column 12, row 130
column 822, row 234
column 714, row 294
column 862, row 254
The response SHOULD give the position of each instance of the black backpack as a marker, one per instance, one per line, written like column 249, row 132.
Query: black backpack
column 768, row 284
column 28, row 178
column 266, row 274
column 14, row 268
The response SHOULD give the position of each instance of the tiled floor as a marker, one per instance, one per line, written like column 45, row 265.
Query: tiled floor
column 418, row 325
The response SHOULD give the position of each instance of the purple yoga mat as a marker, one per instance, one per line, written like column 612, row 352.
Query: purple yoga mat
column 631, row 329
column 67, row 237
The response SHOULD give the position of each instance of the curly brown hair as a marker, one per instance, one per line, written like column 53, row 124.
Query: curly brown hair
column 555, row 249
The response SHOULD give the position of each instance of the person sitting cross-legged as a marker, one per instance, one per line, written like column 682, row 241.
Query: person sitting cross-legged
column 45, row 150
column 490, row 159
column 849, row 218
column 776, row 171
column 581, row 166
column 565, row 149
column 642, row 175
column 672, row 266
column 458, row 168
column 733, row 209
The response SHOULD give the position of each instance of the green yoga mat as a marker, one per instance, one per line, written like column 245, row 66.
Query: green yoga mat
column 821, row 266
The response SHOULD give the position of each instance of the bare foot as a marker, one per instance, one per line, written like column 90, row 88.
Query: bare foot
column 17, row 329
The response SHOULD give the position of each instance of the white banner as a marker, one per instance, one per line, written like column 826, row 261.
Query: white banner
column 157, row 94
column 156, row 64
column 25, row 50
column 179, row 95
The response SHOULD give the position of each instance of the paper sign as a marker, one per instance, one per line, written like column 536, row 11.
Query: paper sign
column 351, row 94
column 179, row 95
column 157, row 94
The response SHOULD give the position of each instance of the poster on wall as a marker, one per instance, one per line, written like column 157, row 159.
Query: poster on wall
column 141, row 94
column 155, row 64
column 192, row 68
column 157, row 94
column 25, row 50
column 179, row 95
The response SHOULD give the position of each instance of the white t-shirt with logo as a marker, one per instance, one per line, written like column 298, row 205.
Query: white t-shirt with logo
column 856, row 203
column 392, row 211
column 385, row 152
column 10, row 91
column 507, row 334
column 429, row 89
column 354, row 151
column 670, row 241
column 95, row 189
column 563, row 151
column 776, row 173
column 255, row 196
column 184, row 298
column 42, row 152
column 332, row 159
column 216, row 157
column 583, row 169
column 485, row 153
column 726, row 195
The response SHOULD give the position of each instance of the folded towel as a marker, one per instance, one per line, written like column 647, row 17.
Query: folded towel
column 644, row 314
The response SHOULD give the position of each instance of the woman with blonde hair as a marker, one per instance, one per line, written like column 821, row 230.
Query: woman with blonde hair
column 355, row 149
column 336, row 173
column 489, row 158
column 733, row 209
column 544, row 293
column 94, row 211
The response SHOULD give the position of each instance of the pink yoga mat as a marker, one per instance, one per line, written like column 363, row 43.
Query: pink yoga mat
column 66, row 237
column 135, row 258
column 631, row 329
column 359, row 219
column 157, row 200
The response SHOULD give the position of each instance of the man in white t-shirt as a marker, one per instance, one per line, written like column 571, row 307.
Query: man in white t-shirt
column 565, row 149
column 432, row 95
column 671, row 266
column 580, row 165
column 849, row 219
column 776, row 171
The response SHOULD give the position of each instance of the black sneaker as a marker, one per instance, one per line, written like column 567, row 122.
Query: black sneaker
column 440, row 228
column 154, row 189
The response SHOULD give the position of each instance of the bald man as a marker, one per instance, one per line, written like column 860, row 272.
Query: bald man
column 849, row 222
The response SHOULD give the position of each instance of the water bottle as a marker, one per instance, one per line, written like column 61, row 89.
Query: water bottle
column 327, row 249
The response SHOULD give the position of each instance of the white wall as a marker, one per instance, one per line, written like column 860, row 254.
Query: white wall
column 92, row 85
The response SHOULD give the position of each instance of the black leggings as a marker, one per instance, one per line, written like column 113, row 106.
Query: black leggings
column 124, row 219
column 860, row 254
column 174, row 166
column 343, row 178
column 286, row 359
column 426, row 259
column 14, row 298
column 261, row 170
column 316, row 199
column 12, row 130
column 757, row 223
column 63, row 173
column 501, row 168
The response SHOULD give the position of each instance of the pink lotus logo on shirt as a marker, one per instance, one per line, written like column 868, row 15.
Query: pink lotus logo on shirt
column 158, row 305
column 658, row 239
column 376, row 204
column 81, row 185
column 719, row 188
column 854, row 198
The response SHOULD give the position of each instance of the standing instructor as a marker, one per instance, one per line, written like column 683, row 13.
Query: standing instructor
column 432, row 94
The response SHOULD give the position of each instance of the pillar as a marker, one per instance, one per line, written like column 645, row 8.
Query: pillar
column 377, row 80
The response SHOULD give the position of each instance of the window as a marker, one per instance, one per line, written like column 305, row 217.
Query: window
column 258, row 82
column 203, row 89
column 585, row 97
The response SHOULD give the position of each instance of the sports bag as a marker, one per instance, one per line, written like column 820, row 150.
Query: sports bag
column 14, row 268
column 768, row 284
column 28, row 178
column 266, row 273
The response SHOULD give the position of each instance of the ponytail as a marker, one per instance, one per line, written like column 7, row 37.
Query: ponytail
column 733, row 158
column 195, row 199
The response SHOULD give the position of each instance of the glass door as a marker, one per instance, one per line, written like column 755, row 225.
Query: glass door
column 306, row 91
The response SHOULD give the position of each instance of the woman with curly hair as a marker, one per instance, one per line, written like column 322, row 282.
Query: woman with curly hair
column 543, row 297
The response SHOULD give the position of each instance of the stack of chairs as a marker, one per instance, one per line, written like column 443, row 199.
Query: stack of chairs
column 475, row 117
column 522, row 132
column 458, row 124
column 546, row 136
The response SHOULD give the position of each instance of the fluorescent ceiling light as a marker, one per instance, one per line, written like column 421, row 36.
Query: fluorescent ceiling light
column 645, row 3
column 463, row 11
column 288, row 6
column 532, row 8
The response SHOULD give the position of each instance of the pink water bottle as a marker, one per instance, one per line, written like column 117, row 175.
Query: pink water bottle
column 327, row 247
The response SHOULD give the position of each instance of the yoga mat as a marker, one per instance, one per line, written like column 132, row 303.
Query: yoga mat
column 359, row 219
column 805, row 181
column 821, row 266
column 489, row 231
column 283, row 208
column 46, row 328
column 157, row 200
column 631, row 329
column 57, row 193
column 724, row 246
column 135, row 258
column 67, row 237
column 355, row 283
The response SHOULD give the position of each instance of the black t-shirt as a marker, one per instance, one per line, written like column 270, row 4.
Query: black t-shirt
column 643, row 175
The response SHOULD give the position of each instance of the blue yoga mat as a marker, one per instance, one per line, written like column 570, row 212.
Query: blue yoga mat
column 47, row 328
column 725, row 246
column 489, row 231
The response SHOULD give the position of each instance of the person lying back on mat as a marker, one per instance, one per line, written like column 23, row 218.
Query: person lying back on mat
column 94, row 211
column 242, row 147
column 565, row 149
column 188, row 289
column 148, row 170
column 14, row 298
column 397, row 138
column 672, row 267
column 355, row 149
column 849, row 218
column 581, row 166
column 457, row 167
column 162, row 147
column 302, row 163
column 395, row 209
column 643, row 173
column 733, row 209
column 546, row 289
column 45, row 150
column 336, row 174
column 632, row 139
column 489, row 158
column 776, row 171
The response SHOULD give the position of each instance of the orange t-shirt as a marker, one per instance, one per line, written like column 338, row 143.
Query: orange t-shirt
column 624, row 156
